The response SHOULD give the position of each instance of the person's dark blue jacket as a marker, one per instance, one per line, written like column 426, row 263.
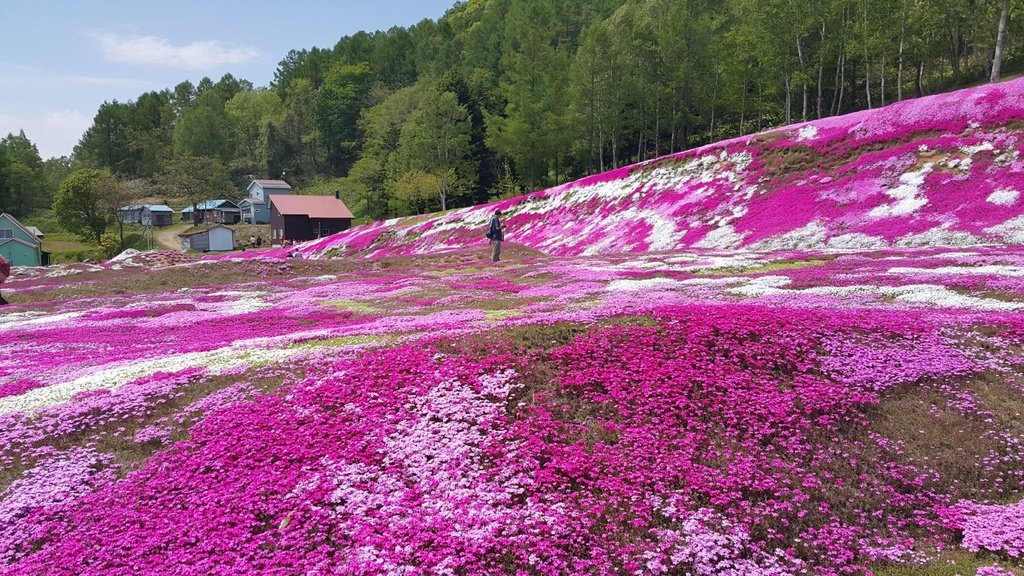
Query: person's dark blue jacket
column 494, row 231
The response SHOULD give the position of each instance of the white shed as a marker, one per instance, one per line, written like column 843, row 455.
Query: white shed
column 217, row 238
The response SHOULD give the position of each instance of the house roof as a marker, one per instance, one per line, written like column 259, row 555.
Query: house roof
column 270, row 184
column 14, row 221
column 204, row 229
column 35, row 231
column 312, row 206
column 211, row 205
column 152, row 208
column 19, row 241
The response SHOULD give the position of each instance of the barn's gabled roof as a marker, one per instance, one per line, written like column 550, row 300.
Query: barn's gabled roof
column 312, row 206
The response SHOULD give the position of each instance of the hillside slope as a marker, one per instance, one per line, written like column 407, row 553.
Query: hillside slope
column 941, row 170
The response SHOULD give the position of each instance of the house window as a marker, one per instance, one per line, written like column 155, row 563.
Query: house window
column 6, row 233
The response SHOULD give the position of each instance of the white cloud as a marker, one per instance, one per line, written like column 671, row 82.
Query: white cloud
column 19, row 76
column 156, row 51
column 55, row 133
column 115, row 82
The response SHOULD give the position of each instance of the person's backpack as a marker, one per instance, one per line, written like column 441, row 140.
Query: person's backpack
column 5, row 268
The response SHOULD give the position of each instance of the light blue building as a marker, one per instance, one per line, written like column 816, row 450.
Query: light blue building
column 256, row 207
column 18, row 244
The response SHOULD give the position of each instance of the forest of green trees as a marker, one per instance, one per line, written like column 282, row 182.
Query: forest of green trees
column 500, row 97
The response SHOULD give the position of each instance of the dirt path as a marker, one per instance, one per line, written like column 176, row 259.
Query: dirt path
column 168, row 237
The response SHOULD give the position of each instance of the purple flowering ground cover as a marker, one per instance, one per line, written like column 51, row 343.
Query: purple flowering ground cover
column 668, row 413
column 800, row 352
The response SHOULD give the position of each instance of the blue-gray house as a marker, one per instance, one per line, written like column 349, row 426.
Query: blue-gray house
column 215, row 211
column 146, row 214
column 157, row 215
column 256, row 207
column 130, row 214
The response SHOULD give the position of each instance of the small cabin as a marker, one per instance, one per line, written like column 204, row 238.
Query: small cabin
column 130, row 214
column 214, row 211
column 146, row 214
column 157, row 215
column 18, row 244
column 217, row 238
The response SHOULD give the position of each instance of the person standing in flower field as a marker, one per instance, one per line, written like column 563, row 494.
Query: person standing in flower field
column 496, row 234
column 5, row 271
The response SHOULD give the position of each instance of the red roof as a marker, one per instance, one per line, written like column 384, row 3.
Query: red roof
column 312, row 206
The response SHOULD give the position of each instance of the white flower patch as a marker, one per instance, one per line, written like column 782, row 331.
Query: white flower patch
column 856, row 241
column 696, row 194
column 740, row 260
column 843, row 291
column 946, row 298
column 476, row 217
column 200, row 263
column 724, row 237
column 972, row 150
column 919, row 294
column 1003, row 197
column 726, row 214
column 664, row 234
column 725, row 281
column 955, row 255
column 1011, row 231
column 605, row 191
column 992, row 270
column 16, row 321
column 60, row 272
column 905, row 195
column 763, row 286
column 643, row 265
column 963, row 164
column 703, row 169
column 646, row 284
column 246, row 302
column 129, row 253
column 438, row 454
column 809, row 132
column 238, row 354
column 930, row 294
column 939, row 236
column 682, row 258
column 706, row 543
column 810, row 236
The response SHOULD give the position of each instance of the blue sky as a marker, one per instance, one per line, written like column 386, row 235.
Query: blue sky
column 60, row 60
